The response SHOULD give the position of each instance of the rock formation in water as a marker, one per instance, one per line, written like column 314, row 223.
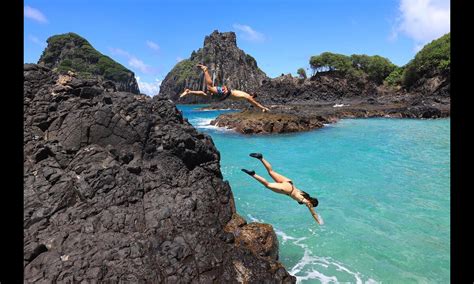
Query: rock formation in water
column 300, row 105
column 256, row 122
column 71, row 52
column 120, row 187
column 227, row 63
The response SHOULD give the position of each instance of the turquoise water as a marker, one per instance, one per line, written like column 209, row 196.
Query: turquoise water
column 384, row 192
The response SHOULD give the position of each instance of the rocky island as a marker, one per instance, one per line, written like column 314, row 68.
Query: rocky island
column 120, row 187
column 71, row 52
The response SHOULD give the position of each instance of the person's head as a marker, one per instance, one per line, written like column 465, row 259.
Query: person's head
column 314, row 201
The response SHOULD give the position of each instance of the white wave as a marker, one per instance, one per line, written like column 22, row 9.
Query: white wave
column 205, row 123
column 215, row 109
column 285, row 238
column 313, row 274
column 306, row 267
column 253, row 219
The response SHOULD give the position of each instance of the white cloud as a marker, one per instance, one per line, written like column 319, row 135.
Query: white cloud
column 36, row 40
column 149, row 88
column 35, row 14
column 179, row 58
column 140, row 65
column 118, row 51
column 249, row 34
column 133, row 61
column 422, row 20
column 152, row 45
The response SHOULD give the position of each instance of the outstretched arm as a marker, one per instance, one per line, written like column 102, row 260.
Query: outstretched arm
column 313, row 213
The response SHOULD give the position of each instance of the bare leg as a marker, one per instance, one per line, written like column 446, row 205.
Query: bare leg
column 208, row 79
column 273, row 186
column 261, row 180
column 276, row 176
column 188, row 91
column 243, row 95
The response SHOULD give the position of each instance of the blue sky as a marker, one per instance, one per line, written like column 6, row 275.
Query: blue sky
column 150, row 37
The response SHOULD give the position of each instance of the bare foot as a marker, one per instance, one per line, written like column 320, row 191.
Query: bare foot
column 186, row 91
column 203, row 67
column 265, row 109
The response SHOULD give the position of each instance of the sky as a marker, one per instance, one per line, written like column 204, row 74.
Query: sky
column 151, row 37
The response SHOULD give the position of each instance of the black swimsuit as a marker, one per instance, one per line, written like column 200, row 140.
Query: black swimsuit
column 292, row 187
column 304, row 193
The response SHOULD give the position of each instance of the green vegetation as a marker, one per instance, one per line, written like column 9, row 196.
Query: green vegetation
column 72, row 52
column 434, row 58
column 302, row 73
column 328, row 61
column 394, row 78
column 185, row 69
column 376, row 68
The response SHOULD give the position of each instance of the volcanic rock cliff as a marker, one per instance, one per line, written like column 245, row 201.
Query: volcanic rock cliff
column 120, row 187
column 71, row 52
column 227, row 63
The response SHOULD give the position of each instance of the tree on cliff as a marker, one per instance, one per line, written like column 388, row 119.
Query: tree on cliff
column 328, row 61
column 434, row 58
column 376, row 68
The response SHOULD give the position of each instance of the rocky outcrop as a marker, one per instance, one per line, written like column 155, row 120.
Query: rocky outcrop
column 227, row 63
column 71, row 52
column 119, row 187
column 304, row 117
column 300, row 105
column 256, row 122
column 436, row 85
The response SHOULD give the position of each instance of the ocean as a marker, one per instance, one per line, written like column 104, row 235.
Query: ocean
column 384, row 194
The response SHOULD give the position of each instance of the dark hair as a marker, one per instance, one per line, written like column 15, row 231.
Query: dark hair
column 314, row 201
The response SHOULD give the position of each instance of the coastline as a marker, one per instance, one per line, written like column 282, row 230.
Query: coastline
column 297, row 117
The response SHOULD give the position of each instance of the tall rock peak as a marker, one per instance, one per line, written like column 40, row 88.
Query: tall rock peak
column 229, row 38
column 227, row 64
column 71, row 52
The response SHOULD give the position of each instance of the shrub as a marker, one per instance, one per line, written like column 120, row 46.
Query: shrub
column 395, row 77
column 302, row 73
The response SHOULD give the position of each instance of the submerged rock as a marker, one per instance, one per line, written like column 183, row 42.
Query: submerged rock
column 119, row 187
